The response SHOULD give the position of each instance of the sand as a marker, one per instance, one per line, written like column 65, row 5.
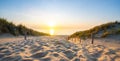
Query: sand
column 57, row 48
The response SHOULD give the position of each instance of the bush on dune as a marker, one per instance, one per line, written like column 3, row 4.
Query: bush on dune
column 105, row 34
column 104, row 29
column 118, row 31
column 9, row 27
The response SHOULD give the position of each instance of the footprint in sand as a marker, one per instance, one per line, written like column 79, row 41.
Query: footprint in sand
column 2, row 48
column 63, row 60
column 11, row 58
column 27, row 60
column 55, row 55
column 39, row 55
column 36, row 49
column 69, row 54
column 77, row 59
column 45, row 59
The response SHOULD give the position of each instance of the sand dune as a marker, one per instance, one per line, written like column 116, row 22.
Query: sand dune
column 56, row 48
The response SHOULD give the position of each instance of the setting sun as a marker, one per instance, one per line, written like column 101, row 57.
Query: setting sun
column 51, row 27
column 51, row 31
column 51, row 24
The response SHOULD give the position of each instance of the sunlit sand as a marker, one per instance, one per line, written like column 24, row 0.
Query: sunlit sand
column 57, row 48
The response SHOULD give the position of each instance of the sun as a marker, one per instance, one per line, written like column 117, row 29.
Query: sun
column 51, row 31
column 51, row 27
column 51, row 24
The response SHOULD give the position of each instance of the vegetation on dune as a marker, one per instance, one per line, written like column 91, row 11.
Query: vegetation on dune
column 104, row 30
column 9, row 27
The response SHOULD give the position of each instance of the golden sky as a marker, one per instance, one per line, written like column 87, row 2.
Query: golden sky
column 68, row 16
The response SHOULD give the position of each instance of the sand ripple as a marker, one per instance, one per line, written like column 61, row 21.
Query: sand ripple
column 55, row 49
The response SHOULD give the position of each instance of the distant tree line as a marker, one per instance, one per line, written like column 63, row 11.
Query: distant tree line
column 9, row 27
column 111, row 28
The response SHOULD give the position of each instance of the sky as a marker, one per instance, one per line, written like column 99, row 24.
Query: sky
column 68, row 16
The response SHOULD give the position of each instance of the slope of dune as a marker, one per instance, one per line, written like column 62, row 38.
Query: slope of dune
column 16, row 30
column 103, row 30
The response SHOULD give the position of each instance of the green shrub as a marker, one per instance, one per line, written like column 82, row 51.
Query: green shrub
column 105, row 34
column 118, row 31
column 101, row 28
column 9, row 27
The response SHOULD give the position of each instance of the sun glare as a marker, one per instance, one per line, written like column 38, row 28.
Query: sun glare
column 51, row 24
column 51, row 27
column 51, row 31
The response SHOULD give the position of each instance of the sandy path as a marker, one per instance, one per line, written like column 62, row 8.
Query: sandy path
column 55, row 48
